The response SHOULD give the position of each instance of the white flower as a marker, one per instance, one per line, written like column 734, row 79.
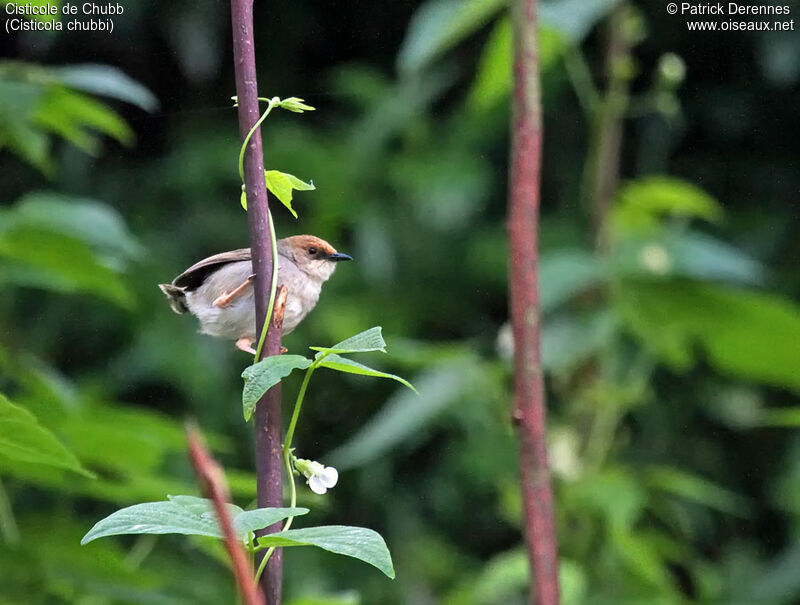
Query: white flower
column 655, row 259
column 319, row 478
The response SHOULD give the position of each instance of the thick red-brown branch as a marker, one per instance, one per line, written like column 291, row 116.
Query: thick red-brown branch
column 523, row 224
column 212, row 482
column 268, row 411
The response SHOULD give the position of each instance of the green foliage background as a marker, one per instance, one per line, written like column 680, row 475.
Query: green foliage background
column 672, row 350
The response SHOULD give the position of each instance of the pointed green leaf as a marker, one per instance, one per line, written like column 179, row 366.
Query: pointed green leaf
column 23, row 439
column 574, row 18
column 253, row 520
column 492, row 83
column 697, row 489
column 368, row 340
column 107, row 81
column 179, row 515
column 641, row 203
column 342, row 364
column 358, row 542
column 262, row 376
column 187, row 515
column 294, row 104
column 281, row 186
column 76, row 117
column 493, row 78
column 439, row 25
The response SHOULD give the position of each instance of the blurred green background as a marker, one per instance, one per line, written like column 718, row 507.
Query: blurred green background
column 669, row 248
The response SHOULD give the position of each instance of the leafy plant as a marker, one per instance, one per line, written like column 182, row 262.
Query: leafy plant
column 36, row 102
column 193, row 516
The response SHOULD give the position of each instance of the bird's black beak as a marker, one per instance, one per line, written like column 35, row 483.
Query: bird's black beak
column 337, row 256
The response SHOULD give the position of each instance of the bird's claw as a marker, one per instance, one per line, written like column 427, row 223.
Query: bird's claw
column 246, row 345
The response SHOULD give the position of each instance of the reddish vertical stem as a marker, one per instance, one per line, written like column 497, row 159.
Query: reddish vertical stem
column 213, row 484
column 523, row 215
column 268, row 410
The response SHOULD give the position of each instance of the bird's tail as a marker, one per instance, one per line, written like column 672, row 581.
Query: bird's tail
column 176, row 297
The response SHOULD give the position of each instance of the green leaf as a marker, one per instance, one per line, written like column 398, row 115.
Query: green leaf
column 44, row 259
column 363, row 342
column 640, row 204
column 439, row 25
column 17, row 131
column 23, row 439
column 499, row 580
column 262, row 376
column 107, row 81
column 253, row 520
column 574, row 18
column 567, row 273
column 493, row 78
column 696, row 489
column 342, row 364
column 294, row 104
column 357, row 542
column 281, row 186
column 243, row 199
column 750, row 335
column 74, row 116
column 614, row 493
column 492, row 83
column 95, row 223
column 187, row 515
column 35, row 101
column 570, row 338
column 781, row 417
column 684, row 253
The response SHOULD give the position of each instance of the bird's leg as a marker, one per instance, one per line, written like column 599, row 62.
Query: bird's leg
column 246, row 344
column 225, row 298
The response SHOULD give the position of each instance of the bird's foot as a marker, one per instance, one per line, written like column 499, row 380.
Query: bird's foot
column 246, row 345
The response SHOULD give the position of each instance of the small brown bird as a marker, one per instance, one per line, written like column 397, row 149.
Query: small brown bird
column 218, row 290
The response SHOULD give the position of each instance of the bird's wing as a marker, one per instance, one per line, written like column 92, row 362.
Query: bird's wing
column 194, row 276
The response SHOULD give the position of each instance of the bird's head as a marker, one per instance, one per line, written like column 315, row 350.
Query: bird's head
column 312, row 255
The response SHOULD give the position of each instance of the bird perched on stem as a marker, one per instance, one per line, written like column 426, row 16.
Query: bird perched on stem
column 218, row 290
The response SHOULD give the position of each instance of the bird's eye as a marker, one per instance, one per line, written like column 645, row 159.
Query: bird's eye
column 312, row 250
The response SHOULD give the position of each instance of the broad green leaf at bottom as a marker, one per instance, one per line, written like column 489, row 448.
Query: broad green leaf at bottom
column 357, row 542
